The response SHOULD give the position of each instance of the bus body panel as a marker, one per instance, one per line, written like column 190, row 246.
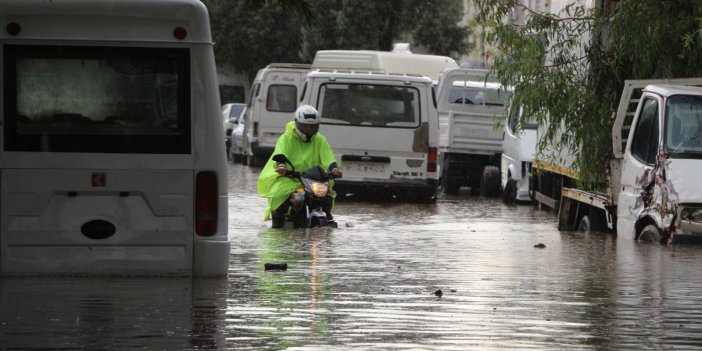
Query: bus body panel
column 51, row 170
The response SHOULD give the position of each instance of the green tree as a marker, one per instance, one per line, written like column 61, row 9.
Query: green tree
column 568, row 69
column 377, row 25
column 249, row 34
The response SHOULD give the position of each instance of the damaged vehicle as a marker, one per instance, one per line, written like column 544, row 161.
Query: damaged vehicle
column 653, row 192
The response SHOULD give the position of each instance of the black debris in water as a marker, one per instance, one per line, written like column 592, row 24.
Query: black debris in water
column 438, row 293
column 540, row 246
column 276, row 266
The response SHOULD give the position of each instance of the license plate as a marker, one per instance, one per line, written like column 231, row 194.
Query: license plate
column 364, row 168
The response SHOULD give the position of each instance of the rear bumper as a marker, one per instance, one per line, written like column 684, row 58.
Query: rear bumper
column 211, row 258
column 391, row 187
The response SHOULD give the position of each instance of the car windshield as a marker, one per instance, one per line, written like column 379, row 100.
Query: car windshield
column 235, row 112
column 474, row 94
column 683, row 130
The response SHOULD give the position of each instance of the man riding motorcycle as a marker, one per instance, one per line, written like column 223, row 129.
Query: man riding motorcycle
column 305, row 147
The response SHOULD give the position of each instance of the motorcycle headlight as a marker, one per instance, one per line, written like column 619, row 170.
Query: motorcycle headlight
column 319, row 189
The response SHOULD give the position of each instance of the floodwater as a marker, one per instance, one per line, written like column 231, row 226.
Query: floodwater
column 373, row 284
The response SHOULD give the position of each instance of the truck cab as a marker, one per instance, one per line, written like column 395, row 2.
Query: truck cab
column 657, row 196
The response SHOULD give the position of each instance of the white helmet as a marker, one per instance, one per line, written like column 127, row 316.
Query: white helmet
column 306, row 122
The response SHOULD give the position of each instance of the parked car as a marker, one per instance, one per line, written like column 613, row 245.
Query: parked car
column 238, row 140
column 230, row 116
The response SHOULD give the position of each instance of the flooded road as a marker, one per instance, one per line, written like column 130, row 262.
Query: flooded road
column 460, row 274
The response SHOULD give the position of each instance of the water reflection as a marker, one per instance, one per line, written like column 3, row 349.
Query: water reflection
column 371, row 285
column 112, row 313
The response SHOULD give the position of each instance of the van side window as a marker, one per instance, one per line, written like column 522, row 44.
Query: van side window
column 644, row 144
column 281, row 98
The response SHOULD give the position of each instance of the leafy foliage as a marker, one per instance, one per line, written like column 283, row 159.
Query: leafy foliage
column 250, row 34
column 568, row 69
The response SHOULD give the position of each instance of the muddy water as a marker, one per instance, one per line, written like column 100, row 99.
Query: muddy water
column 373, row 284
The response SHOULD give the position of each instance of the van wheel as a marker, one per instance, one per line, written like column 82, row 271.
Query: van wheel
column 585, row 225
column 651, row 233
column 509, row 194
column 490, row 181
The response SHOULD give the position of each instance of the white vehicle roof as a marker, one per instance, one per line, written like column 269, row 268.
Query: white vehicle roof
column 115, row 20
column 366, row 75
column 383, row 62
column 669, row 89
column 282, row 67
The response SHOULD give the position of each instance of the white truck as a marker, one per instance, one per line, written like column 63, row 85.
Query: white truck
column 470, row 103
column 651, row 189
column 275, row 92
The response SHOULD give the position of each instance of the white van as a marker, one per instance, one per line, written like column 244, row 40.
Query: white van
column 112, row 160
column 383, row 129
column 274, row 95
column 379, row 115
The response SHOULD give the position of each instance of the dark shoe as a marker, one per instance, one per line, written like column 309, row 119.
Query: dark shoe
column 278, row 222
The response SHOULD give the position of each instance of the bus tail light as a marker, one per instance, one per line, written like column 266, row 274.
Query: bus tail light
column 206, row 203
column 432, row 157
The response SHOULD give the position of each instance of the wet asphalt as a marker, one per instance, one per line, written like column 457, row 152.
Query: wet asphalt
column 466, row 273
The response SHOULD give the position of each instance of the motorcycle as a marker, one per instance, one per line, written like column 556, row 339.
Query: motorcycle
column 306, row 203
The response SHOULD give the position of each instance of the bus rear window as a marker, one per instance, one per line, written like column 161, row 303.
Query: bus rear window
column 96, row 99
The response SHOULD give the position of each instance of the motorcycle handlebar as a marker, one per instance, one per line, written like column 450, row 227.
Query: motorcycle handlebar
column 296, row 174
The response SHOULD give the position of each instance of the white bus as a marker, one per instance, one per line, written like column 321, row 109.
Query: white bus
column 111, row 161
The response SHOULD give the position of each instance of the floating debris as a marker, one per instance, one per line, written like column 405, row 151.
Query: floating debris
column 438, row 293
column 277, row 266
column 540, row 246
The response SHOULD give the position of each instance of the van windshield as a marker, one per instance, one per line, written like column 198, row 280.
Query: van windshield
column 369, row 105
column 683, row 130
column 96, row 99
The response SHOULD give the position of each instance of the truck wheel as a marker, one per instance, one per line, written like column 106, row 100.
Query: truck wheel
column 651, row 233
column 490, row 181
column 509, row 193
column 450, row 187
column 449, row 184
column 585, row 225
column 533, row 187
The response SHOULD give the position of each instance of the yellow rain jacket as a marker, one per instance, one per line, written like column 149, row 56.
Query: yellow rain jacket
column 303, row 155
